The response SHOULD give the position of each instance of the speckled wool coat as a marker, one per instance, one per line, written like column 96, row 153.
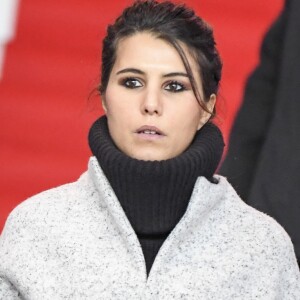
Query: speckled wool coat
column 75, row 242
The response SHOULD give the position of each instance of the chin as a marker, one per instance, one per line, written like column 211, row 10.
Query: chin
column 149, row 156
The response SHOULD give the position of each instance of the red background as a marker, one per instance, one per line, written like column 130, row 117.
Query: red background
column 53, row 64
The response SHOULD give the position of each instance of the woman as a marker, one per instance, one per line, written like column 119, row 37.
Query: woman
column 149, row 220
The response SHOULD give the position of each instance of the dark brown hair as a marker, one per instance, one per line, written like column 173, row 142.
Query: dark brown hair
column 175, row 24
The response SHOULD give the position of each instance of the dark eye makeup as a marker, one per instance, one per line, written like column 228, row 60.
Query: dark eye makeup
column 172, row 86
column 175, row 86
column 131, row 82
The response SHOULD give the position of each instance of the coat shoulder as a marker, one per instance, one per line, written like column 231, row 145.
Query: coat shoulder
column 255, row 229
column 48, row 205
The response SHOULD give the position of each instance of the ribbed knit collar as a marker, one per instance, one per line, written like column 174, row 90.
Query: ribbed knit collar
column 155, row 194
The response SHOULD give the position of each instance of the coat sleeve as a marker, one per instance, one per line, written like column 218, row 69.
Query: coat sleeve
column 288, row 271
column 8, row 291
column 254, row 116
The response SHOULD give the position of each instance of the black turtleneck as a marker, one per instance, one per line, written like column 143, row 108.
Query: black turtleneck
column 155, row 194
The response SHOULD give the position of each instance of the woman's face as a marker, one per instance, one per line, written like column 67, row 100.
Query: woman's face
column 151, row 109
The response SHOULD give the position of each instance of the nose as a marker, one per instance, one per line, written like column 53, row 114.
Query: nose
column 152, row 103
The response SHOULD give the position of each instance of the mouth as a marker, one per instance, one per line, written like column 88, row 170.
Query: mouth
column 150, row 130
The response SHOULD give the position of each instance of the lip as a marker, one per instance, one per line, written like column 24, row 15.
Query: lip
column 150, row 128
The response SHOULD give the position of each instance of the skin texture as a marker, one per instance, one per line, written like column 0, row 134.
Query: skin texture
column 148, row 89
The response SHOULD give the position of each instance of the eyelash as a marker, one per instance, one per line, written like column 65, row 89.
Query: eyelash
column 174, row 82
column 127, row 83
column 126, row 80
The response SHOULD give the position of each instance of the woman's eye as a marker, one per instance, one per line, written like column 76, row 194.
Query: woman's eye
column 175, row 87
column 131, row 83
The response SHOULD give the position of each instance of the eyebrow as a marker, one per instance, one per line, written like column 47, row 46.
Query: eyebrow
column 131, row 70
column 176, row 74
column 137, row 71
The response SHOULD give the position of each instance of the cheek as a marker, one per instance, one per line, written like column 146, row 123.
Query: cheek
column 117, row 102
column 113, row 104
column 185, row 125
column 190, row 114
column 119, row 114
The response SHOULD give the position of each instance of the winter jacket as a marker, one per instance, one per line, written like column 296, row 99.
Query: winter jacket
column 263, row 160
column 75, row 242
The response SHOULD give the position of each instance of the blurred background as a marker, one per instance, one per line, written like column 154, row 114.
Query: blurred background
column 50, row 54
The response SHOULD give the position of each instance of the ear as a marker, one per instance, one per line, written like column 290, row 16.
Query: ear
column 205, row 115
column 103, row 101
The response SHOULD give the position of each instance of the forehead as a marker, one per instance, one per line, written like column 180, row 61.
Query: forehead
column 147, row 50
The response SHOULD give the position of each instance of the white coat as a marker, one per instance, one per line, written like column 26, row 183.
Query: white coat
column 75, row 242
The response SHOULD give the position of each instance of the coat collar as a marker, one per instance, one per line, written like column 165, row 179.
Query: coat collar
column 206, row 197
